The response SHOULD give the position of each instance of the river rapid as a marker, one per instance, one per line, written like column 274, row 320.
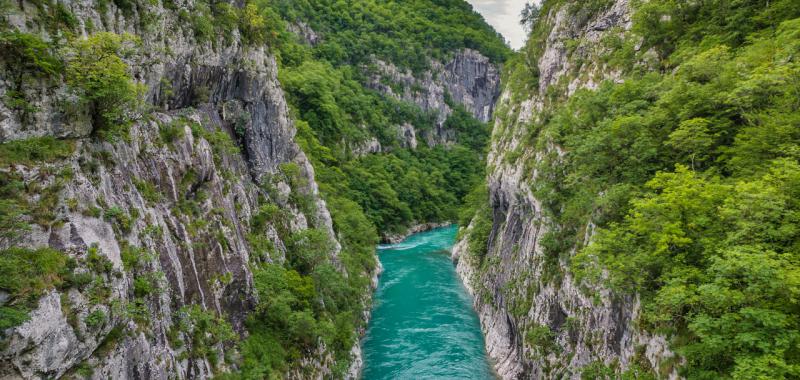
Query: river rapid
column 423, row 325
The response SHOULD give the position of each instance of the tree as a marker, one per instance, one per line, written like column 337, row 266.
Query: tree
column 96, row 71
column 693, row 139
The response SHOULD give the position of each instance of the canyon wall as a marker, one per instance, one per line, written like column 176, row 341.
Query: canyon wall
column 538, row 320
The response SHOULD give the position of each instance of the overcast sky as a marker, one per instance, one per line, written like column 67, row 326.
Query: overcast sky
column 503, row 15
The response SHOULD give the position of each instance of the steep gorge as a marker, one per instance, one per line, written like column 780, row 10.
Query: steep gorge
column 195, row 189
column 514, row 292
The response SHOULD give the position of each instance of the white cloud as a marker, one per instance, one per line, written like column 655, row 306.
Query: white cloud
column 503, row 15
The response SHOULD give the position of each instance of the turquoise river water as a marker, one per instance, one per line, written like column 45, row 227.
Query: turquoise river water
column 423, row 325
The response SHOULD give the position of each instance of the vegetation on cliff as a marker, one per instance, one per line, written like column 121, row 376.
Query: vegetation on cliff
column 688, row 168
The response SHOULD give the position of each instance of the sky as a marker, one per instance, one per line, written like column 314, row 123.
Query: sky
column 503, row 15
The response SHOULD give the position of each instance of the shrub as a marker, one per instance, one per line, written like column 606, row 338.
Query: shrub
column 121, row 220
column 541, row 338
column 205, row 332
column 148, row 191
column 29, row 53
column 132, row 257
column 95, row 318
column 171, row 132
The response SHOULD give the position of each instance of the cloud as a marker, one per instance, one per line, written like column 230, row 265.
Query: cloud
column 503, row 15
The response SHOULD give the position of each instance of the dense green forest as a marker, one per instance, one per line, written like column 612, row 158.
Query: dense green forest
column 408, row 33
column 689, row 168
column 332, row 104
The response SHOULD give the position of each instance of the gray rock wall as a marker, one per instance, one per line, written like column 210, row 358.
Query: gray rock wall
column 199, row 257
column 468, row 78
column 513, row 294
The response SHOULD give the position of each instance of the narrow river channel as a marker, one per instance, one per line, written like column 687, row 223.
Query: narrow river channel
column 423, row 325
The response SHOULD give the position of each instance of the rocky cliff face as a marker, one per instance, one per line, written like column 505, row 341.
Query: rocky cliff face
column 468, row 79
column 539, row 324
column 172, row 204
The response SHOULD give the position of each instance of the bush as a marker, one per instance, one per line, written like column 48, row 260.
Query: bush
column 307, row 249
column 29, row 53
column 148, row 191
column 121, row 220
column 205, row 332
column 171, row 132
column 133, row 257
column 95, row 318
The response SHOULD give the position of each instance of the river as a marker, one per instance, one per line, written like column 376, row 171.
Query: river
column 423, row 325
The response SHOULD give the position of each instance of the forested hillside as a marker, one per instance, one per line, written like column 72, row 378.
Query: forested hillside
column 659, row 145
column 326, row 80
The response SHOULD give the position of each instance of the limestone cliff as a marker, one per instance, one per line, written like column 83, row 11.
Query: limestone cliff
column 179, row 193
column 468, row 79
column 164, row 224
column 541, row 324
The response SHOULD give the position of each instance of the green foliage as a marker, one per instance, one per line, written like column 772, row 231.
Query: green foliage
column 690, row 176
column 122, row 221
column 718, row 264
column 145, row 285
column 205, row 333
column 407, row 33
column 289, row 320
column 29, row 53
column 471, row 132
column 95, row 318
column 171, row 132
column 541, row 338
column 85, row 370
column 404, row 187
column 148, row 191
column 34, row 151
column 597, row 370
column 307, row 299
column 220, row 140
column 98, row 262
column 96, row 71
column 26, row 275
column 133, row 258
column 479, row 213
column 308, row 248
column 669, row 25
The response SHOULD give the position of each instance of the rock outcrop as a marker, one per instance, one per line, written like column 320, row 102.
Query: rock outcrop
column 182, row 202
column 538, row 326
column 468, row 79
